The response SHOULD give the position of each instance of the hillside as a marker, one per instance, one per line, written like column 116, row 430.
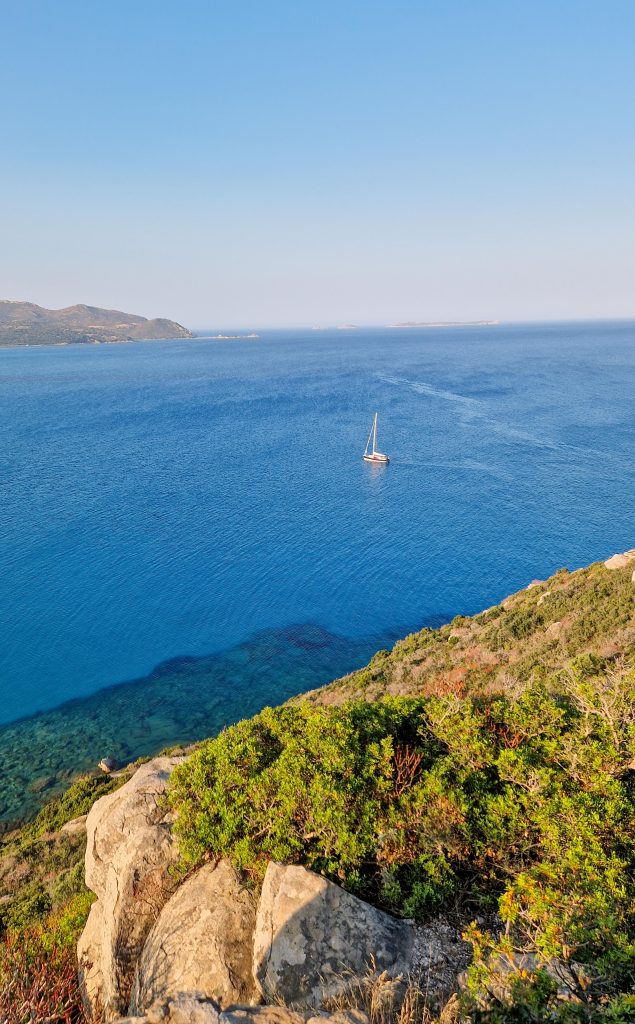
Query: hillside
column 24, row 323
column 535, row 632
column 478, row 779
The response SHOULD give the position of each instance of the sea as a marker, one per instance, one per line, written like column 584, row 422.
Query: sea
column 188, row 531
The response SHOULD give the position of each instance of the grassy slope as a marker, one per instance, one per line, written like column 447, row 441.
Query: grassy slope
column 538, row 630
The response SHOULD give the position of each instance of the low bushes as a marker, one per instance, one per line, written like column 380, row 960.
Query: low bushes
column 525, row 805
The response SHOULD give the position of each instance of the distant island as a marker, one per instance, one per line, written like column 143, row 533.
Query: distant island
column 24, row 323
column 447, row 323
column 230, row 337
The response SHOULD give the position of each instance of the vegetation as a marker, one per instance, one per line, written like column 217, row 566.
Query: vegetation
column 532, row 633
column 43, row 908
column 24, row 323
column 38, row 980
column 516, row 806
column 485, row 769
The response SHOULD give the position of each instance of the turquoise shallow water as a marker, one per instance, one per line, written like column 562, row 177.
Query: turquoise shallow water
column 181, row 701
column 179, row 500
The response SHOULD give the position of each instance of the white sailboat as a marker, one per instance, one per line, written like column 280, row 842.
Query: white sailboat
column 373, row 455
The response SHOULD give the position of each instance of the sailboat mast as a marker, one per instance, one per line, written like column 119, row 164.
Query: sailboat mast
column 375, row 434
column 369, row 437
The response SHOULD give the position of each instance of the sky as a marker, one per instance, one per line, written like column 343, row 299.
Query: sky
column 294, row 162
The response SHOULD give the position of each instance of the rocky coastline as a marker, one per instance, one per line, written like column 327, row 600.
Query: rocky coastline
column 443, row 837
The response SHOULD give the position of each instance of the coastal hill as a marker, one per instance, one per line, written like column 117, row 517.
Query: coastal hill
column 24, row 323
column 460, row 815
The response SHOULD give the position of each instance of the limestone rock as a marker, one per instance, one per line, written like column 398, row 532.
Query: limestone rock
column 89, row 958
column 201, row 943
column 619, row 561
column 311, row 937
column 198, row 1010
column 115, row 817
column 129, row 852
column 75, row 826
column 261, row 1015
column 181, row 1009
column 440, row 956
column 504, row 970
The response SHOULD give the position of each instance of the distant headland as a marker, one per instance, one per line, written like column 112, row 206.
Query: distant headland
column 24, row 323
column 447, row 323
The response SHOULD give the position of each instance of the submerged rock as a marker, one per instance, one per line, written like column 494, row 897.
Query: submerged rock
column 201, row 943
column 129, row 852
column 311, row 937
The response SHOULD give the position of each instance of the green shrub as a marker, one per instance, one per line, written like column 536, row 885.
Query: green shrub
column 33, row 903
column 527, row 804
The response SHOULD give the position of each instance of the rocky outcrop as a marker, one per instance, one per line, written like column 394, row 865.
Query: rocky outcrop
column 204, row 952
column 619, row 561
column 311, row 937
column 201, row 942
column 130, row 850
column 197, row 1010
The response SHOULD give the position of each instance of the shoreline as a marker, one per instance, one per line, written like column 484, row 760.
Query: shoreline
column 182, row 700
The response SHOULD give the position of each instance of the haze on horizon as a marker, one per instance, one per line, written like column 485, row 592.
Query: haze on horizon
column 284, row 164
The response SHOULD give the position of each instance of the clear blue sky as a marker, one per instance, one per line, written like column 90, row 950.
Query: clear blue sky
column 287, row 162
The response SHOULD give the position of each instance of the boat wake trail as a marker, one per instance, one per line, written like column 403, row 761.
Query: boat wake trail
column 428, row 389
column 473, row 408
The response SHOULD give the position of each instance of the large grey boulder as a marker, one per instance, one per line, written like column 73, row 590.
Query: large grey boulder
column 311, row 937
column 201, row 943
column 130, row 851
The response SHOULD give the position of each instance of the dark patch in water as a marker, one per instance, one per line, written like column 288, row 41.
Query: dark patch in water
column 182, row 700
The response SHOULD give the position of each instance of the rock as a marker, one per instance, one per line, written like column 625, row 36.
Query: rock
column 107, row 765
column 619, row 561
column 89, row 960
column 504, row 970
column 75, row 826
column 440, row 956
column 312, row 938
column 198, row 1010
column 181, row 1009
column 116, row 818
column 129, row 852
column 534, row 583
column 201, row 943
column 261, row 1015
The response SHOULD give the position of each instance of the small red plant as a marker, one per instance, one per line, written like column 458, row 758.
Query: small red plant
column 407, row 763
column 38, row 983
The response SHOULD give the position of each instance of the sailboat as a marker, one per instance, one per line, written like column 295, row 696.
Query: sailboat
column 374, row 455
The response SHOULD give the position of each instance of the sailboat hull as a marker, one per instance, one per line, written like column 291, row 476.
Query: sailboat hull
column 376, row 457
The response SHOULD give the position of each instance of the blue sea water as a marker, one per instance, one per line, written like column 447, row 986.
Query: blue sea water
column 207, row 500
